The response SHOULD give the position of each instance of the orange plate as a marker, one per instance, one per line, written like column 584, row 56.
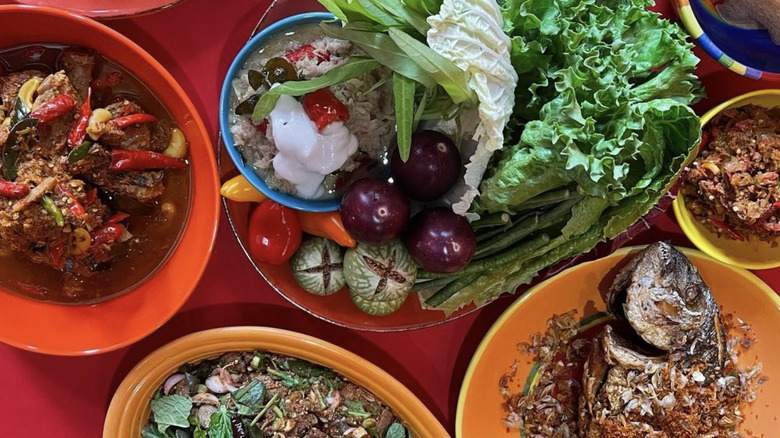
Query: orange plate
column 129, row 409
column 738, row 291
column 82, row 330
column 106, row 8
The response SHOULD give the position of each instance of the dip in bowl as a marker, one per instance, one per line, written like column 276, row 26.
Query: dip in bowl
column 308, row 149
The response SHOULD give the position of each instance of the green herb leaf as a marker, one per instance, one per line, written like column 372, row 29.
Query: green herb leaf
column 219, row 426
column 382, row 48
column 353, row 67
column 406, row 15
column 199, row 433
column 172, row 410
column 249, row 398
column 448, row 75
column 150, row 431
column 396, row 430
column 80, row 152
column 403, row 92
column 333, row 7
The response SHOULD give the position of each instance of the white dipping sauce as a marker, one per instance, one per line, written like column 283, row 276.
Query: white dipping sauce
column 306, row 155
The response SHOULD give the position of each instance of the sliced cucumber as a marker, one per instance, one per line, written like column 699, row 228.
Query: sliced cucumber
column 318, row 266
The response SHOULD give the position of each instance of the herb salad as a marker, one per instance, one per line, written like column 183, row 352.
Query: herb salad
column 263, row 395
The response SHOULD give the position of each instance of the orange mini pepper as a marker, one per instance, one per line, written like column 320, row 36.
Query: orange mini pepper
column 326, row 224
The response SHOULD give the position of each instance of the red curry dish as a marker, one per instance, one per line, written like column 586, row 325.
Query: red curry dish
column 732, row 186
column 94, row 187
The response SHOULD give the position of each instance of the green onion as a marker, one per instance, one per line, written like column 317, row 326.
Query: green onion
column 51, row 207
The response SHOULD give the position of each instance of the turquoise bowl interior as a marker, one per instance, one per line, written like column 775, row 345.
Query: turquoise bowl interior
column 256, row 43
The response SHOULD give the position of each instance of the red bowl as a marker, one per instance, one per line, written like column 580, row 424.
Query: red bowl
column 82, row 330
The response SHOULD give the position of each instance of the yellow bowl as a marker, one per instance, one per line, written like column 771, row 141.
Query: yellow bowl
column 129, row 409
column 752, row 253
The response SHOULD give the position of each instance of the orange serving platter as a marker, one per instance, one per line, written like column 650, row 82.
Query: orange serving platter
column 738, row 291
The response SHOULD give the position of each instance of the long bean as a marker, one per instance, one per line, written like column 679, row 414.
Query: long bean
column 451, row 289
column 524, row 228
column 432, row 284
column 491, row 221
column 499, row 259
column 481, row 237
column 548, row 198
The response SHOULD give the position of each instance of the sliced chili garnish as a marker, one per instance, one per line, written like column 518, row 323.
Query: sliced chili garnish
column 91, row 196
column 13, row 190
column 262, row 126
column 79, row 130
column 55, row 252
column 726, row 228
column 107, row 234
column 111, row 80
column 307, row 51
column 54, row 108
column 124, row 122
column 118, row 217
column 75, row 207
column 705, row 139
column 124, row 159
column 323, row 108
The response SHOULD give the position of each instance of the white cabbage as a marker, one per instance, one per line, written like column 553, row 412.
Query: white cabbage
column 470, row 34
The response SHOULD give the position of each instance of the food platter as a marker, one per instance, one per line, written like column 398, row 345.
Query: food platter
column 480, row 403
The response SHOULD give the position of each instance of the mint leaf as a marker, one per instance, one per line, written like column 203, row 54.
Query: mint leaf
column 220, row 426
column 172, row 410
column 249, row 398
column 396, row 430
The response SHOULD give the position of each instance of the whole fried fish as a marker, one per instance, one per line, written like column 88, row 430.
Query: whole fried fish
column 664, row 299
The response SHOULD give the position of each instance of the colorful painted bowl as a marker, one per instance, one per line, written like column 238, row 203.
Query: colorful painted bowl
column 82, row 330
column 480, row 405
column 129, row 409
column 258, row 41
column 106, row 8
column 752, row 253
column 749, row 52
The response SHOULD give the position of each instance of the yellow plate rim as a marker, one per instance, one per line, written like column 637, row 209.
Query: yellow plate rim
column 509, row 312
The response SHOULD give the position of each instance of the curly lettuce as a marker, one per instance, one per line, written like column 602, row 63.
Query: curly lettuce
column 602, row 110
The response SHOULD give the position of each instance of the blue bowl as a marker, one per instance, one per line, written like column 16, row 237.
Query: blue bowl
column 256, row 43
column 749, row 52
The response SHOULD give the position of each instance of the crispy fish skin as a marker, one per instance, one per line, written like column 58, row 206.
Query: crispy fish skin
column 661, row 294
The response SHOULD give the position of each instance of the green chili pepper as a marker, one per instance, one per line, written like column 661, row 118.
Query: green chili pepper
column 53, row 210
column 79, row 152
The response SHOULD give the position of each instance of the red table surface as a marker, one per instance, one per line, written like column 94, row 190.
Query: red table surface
column 47, row 396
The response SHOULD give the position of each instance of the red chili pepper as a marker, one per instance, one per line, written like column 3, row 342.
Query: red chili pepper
column 110, row 81
column 308, row 51
column 726, row 228
column 79, row 130
column 76, row 207
column 118, row 217
column 13, row 190
column 274, row 233
column 776, row 205
column 124, row 159
column 107, row 234
column 56, row 251
column 124, row 122
column 323, row 108
column 91, row 196
column 705, row 139
column 263, row 126
column 54, row 108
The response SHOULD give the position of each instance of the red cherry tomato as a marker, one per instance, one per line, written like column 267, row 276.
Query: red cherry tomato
column 323, row 108
column 274, row 233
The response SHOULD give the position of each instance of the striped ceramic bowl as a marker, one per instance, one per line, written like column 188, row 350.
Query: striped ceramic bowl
column 749, row 52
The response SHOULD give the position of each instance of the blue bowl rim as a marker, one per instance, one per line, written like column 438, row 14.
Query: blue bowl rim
column 257, row 41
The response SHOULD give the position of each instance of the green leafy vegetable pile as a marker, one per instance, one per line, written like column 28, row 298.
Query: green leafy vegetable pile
column 601, row 130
